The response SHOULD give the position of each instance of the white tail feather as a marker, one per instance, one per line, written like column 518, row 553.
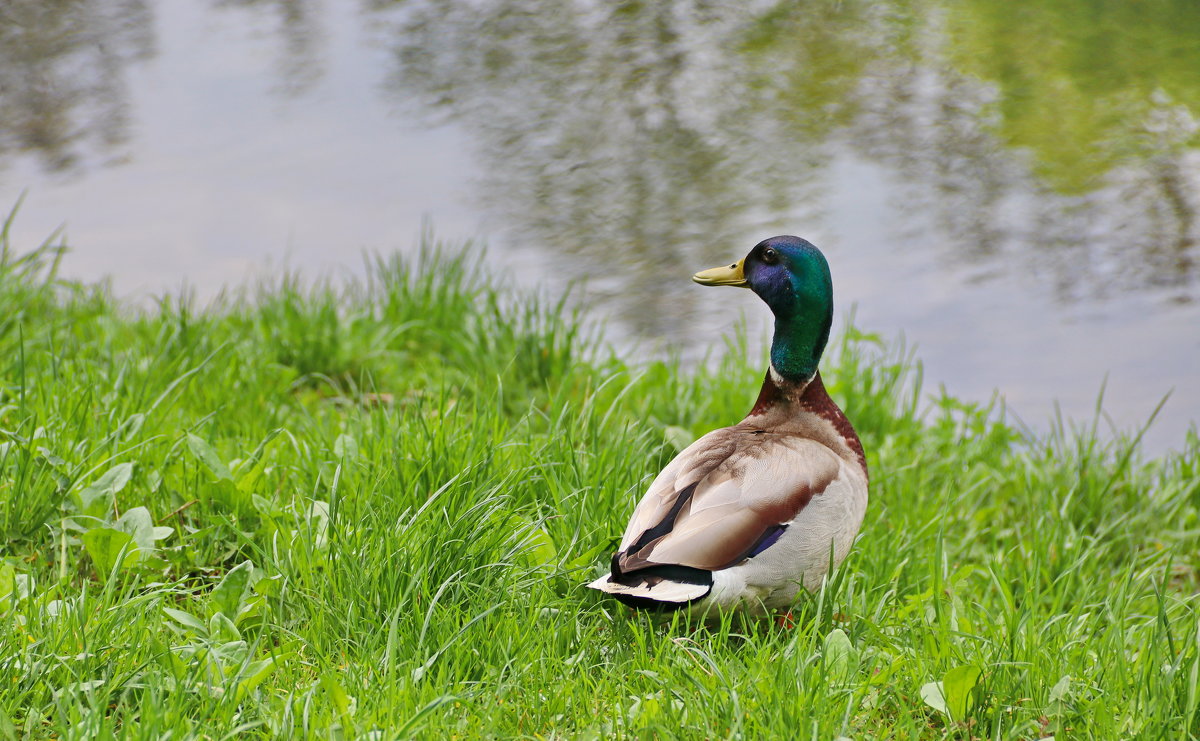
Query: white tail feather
column 664, row 591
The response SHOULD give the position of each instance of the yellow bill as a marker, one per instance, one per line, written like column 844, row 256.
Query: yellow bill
column 722, row 276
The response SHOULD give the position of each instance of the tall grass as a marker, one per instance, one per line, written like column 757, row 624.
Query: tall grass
column 367, row 510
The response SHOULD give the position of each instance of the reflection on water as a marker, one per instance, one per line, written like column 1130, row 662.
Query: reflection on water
column 62, row 77
column 1012, row 183
column 299, row 64
column 1056, row 138
column 64, row 95
column 1047, row 137
column 621, row 139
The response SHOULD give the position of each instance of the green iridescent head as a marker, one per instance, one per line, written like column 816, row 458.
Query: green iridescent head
column 792, row 277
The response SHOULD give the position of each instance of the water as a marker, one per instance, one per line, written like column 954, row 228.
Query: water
column 1011, row 186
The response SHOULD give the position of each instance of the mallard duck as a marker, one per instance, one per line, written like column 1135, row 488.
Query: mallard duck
column 748, row 515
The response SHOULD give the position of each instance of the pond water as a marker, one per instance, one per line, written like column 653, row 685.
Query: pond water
column 1011, row 186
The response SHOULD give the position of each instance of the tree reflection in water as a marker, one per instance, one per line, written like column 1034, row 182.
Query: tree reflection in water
column 62, row 76
column 648, row 138
column 639, row 140
column 299, row 66
column 64, row 95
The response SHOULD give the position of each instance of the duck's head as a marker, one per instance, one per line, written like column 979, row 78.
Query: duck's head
column 791, row 275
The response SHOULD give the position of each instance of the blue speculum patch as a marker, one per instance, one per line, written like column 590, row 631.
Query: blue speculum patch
column 768, row 540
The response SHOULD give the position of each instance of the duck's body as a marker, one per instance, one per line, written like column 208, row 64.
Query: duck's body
column 748, row 515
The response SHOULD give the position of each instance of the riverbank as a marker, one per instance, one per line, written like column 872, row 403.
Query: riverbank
column 368, row 509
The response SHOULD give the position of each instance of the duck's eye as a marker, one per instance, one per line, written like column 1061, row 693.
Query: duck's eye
column 770, row 256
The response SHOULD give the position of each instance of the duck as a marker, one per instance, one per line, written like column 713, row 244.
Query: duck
column 748, row 516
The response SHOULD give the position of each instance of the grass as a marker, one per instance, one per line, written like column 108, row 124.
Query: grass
column 367, row 510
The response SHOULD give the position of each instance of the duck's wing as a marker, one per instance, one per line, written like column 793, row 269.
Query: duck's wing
column 723, row 499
